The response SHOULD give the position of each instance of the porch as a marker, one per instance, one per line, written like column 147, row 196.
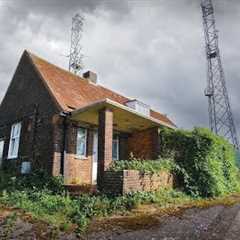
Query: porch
column 103, row 132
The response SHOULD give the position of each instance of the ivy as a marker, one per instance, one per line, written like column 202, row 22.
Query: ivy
column 207, row 162
column 144, row 166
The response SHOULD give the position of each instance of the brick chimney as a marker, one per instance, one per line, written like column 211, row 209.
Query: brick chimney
column 91, row 76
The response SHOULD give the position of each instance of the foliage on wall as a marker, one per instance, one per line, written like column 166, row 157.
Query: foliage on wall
column 207, row 162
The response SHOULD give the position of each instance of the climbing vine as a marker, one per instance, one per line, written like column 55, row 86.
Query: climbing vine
column 207, row 162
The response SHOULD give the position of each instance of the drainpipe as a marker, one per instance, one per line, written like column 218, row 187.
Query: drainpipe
column 64, row 115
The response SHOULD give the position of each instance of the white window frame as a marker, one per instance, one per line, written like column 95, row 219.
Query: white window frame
column 82, row 156
column 1, row 152
column 115, row 140
column 14, row 139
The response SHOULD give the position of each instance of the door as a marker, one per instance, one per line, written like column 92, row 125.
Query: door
column 95, row 158
column 1, row 151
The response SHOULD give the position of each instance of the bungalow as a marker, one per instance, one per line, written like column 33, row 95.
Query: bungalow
column 68, row 125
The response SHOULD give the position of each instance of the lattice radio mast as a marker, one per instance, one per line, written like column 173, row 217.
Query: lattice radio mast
column 220, row 114
column 75, row 56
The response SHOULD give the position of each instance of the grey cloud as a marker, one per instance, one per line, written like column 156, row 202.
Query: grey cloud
column 152, row 50
column 62, row 8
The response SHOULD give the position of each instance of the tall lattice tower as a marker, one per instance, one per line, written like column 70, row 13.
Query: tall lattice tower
column 75, row 56
column 220, row 114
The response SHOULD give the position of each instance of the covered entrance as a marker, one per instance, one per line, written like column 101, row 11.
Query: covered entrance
column 109, row 118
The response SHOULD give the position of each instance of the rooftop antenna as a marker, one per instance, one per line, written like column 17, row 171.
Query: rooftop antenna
column 220, row 114
column 75, row 56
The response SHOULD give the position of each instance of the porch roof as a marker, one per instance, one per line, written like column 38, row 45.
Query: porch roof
column 124, row 118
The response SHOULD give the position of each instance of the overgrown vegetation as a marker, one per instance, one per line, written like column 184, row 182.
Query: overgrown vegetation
column 149, row 166
column 38, row 181
column 206, row 162
column 38, row 197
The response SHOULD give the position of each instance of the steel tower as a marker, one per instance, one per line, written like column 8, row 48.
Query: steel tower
column 75, row 56
column 220, row 115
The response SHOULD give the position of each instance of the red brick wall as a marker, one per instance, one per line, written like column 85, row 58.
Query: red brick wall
column 127, row 181
column 105, row 137
column 57, row 144
column 144, row 144
column 136, row 181
column 25, row 95
column 113, row 182
column 76, row 170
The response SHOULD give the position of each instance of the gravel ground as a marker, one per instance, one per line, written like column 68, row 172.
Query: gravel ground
column 213, row 223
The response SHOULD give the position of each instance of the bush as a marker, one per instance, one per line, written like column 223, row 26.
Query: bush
column 144, row 166
column 38, row 180
column 207, row 163
column 44, row 198
column 62, row 210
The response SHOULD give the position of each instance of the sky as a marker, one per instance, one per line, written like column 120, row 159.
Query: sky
column 152, row 50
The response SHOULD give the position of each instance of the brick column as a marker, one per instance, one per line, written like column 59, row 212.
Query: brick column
column 105, row 136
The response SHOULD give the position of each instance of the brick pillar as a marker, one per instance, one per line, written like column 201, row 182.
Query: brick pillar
column 105, row 136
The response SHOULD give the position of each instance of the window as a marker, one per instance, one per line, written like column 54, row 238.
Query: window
column 81, row 148
column 1, row 151
column 14, row 141
column 115, row 147
column 139, row 107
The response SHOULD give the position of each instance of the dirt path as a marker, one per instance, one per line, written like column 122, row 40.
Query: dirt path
column 214, row 223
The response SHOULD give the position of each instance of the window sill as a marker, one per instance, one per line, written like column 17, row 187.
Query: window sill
column 81, row 157
column 12, row 158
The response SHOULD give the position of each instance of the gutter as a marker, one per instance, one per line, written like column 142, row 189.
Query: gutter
column 64, row 115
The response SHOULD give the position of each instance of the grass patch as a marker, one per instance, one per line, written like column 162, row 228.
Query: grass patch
column 63, row 211
column 54, row 206
column 149, row 215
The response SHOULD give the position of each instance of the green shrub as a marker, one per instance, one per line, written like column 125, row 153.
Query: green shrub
column 144, row 166
column 38, row 180
column 207, row 163
column 63, row 210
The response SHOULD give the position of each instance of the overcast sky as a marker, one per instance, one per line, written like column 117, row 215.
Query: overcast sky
column 152, row 50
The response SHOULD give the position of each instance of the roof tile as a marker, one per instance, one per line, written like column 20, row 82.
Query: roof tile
column 73, row 92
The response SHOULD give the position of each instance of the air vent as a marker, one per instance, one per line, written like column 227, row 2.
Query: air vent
column 139, row 107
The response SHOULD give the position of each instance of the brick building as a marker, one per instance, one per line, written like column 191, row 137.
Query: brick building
column 54, row 120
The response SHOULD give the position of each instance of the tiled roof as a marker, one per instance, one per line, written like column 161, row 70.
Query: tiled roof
column 73, row 92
